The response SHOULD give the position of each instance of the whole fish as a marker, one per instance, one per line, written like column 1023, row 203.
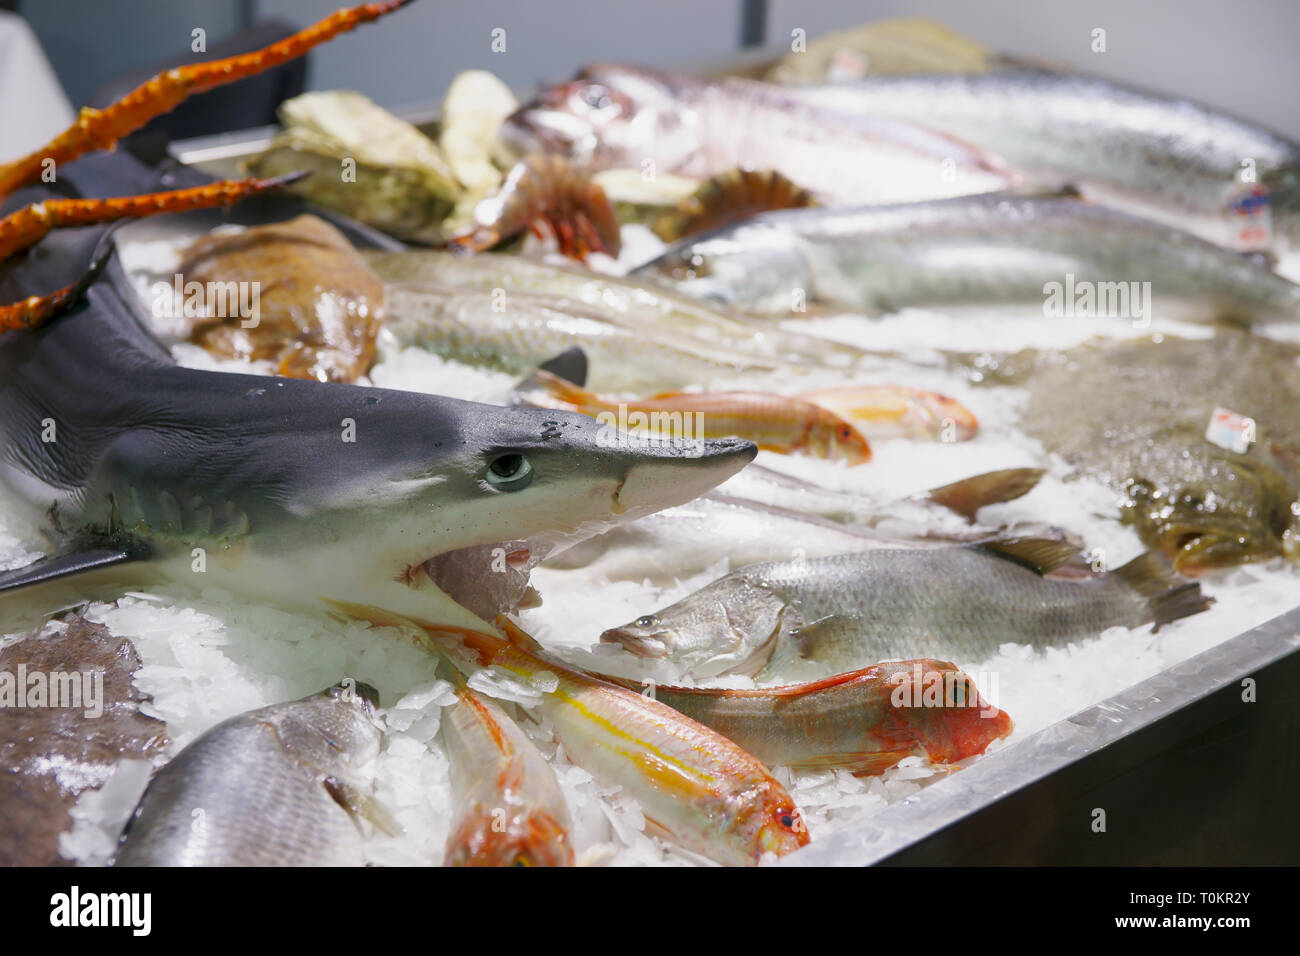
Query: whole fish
column 891, row 411
column 1063, row 255
column 615, row 115
column 520, row 332
column 318, row 308
column 850, row 610
column 1205, row 503
column 1161, row 156
column 279, row 786
column 640, row 306
column 509, row 808
column 773, row 422
column 694, row 785
column 286, row 490
column 726, row 525
column 864, row 721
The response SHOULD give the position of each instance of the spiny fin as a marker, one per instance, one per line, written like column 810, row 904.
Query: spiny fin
column 1168, row 596
column 968, row 496
column 66, row 565
column 1040, row 555
column 362, row 806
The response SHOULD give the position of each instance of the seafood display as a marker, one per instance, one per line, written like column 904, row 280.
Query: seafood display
column 992, row 249
column 280, row 786
column 768, row 510
column 844, row 611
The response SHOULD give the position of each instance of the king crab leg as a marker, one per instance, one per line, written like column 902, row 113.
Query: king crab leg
column 101, row 129
column 30, row 224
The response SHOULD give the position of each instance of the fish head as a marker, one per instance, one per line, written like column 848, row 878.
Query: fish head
column 936, row 704
column 756, row 265
column 835, row 438
column 335, row 730
column 769, row 820
column 524, row 837
column 486, row 493
column 608, row 116
column 1239, row 508
column 729, row 627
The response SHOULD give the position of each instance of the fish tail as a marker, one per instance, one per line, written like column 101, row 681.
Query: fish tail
column 968, row 496
column 1168, row 597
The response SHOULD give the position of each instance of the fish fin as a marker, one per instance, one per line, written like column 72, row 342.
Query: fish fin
column 1168, row 596
column 65, row 565
column 860, row 764
column 546, row 389
column 570, row 365
column 362, row 806
column 517, row 636
column 1040, row 555
column 968, row 496
column 1039, row 189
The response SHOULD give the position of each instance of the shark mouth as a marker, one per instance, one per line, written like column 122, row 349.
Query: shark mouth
column 487, row 579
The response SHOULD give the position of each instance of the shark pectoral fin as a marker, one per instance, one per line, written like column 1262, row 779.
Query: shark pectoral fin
column 362, row 806
column 65, row 565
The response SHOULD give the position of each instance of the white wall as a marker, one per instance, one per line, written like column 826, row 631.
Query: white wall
column 411, row 57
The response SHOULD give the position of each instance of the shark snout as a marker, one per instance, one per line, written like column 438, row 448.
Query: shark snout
column 681, row 475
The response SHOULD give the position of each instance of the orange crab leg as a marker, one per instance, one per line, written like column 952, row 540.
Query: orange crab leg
column 28, row 225
column 101, row 129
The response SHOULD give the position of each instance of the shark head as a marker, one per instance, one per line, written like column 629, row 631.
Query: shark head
column 301, row 492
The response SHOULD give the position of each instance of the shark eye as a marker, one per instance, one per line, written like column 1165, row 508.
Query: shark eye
column 510, row 472
column 646, row 620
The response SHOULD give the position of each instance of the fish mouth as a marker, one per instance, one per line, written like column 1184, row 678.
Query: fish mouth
column 487, row 579
column 642, row 645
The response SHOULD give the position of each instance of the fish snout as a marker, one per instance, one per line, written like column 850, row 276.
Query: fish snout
column 650, row 646
column 679, row 471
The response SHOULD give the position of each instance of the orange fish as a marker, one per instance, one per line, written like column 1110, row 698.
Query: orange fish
column 889, row 411
column 865, row 720
column 772, row 422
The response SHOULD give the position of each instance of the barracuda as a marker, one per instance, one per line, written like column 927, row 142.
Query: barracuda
column 289, row 490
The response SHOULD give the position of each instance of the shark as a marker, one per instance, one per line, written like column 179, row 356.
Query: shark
column 303, row 494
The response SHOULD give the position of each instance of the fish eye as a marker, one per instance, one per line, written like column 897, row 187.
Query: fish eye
column 509, row 472
column 790, row 821
column 646, row 620
column 595, row 97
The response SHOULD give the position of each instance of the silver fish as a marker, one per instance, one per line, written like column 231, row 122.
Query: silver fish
column 849, row 611
column 617, row 115
column 1001, row 249
column 644, row 308
column 279, row 786
column 517, row 334
column 1161, row 156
